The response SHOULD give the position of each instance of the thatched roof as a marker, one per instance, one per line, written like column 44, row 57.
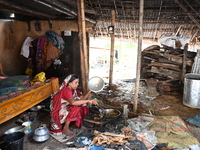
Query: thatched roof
column 181, row 17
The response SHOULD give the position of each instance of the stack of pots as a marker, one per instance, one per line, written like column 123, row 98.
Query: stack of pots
column 41, row 134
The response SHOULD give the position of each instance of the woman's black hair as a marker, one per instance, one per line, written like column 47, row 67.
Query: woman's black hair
column 73, row 78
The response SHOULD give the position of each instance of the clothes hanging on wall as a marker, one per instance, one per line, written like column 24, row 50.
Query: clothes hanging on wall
column 41, row 52
column 56, row 40
column 25, row 47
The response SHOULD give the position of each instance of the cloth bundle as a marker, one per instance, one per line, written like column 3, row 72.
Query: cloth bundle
column 195, row 120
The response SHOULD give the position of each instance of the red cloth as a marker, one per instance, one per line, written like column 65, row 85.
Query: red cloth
column 76, row 113
column 55, row 106
column 67, row 93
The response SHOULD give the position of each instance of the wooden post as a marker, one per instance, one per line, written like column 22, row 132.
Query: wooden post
column 112, row 49
column 184, row 62
column 81, row 47
column 137, row 82
column 84, row 48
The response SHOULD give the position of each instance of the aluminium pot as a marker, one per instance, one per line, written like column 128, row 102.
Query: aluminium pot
column 41, row 134
column 191, row 94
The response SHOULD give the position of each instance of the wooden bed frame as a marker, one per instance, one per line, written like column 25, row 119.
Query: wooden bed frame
column 16, row 105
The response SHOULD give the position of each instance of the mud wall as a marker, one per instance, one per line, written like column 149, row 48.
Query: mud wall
column 13, row 34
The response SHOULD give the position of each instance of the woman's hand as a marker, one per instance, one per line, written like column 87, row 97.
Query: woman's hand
column 89, row 91
column 93, row 101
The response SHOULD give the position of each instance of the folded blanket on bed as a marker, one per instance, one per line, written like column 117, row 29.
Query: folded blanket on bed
column 13, row 81
column 13, row 85
column 5, row 91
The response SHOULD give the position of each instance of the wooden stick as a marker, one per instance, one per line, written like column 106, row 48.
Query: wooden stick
column 112, row 50
column 139, row 54
column 82, row 66
column 92, row 121
column 184, row 62
column 85, row 53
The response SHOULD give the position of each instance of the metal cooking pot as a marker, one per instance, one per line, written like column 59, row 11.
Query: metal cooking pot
column 41, row 134
column 15, row 129
column 111, row 113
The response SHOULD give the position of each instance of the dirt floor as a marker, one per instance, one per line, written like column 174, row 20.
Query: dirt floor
column 169, row 103
column 175, row 102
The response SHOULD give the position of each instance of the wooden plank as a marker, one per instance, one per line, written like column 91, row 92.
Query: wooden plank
column 170, row 66
column 149, row 58
column 166, row 73
column 173, row 58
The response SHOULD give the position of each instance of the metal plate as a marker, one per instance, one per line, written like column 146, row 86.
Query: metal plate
column 96, row 84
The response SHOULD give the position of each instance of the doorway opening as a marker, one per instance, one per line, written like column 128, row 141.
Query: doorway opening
column 124, row 63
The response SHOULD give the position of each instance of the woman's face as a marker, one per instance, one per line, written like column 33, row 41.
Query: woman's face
column 74, row 84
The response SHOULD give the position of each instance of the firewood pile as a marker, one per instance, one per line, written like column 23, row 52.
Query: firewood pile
column 109, row 138
column 166, row 64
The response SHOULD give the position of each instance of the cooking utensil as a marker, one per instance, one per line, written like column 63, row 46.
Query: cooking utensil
column 100, row 108
column 36, row 108
column 15, row 129
column 111, row 113
column 96, row 84
column 191, row 94
column 41, row 134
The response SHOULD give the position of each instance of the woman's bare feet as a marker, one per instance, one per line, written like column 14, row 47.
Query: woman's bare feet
column 68, row 132
column 66, row 129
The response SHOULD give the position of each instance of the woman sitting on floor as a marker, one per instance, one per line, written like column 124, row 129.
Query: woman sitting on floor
column 68, row 105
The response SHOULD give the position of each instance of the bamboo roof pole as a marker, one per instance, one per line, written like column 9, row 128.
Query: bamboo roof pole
column 85, row 75
column 112, row 49
column 80, row 33
column 188, row 13
column 137, row 82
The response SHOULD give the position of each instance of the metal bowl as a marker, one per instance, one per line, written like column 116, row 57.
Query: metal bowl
column 15, row 129
column 111, row 113
column 36, row 108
